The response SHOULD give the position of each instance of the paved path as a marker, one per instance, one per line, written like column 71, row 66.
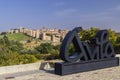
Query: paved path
column 102, row 74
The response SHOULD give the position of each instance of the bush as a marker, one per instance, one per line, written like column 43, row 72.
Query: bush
column 54, row 54
column 40, row 56
column 45, row 48
column 9, row 59
column 27, row 58
column 91, row 33
column 33, row 52
column 117, row 48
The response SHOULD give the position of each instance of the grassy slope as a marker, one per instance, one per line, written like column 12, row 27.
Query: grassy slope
column 17, row 37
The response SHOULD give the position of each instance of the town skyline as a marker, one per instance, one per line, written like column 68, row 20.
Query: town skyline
column 44, row 34
column 38, row 28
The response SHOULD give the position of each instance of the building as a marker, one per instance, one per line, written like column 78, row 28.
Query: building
column 53, row 35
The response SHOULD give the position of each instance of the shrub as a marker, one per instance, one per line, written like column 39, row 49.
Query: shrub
column 54, row 54
column 27, row 58
column 117, row 48
column 45, row 48
column 40, row 56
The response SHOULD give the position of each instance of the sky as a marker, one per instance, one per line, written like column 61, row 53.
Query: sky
column 61, row 14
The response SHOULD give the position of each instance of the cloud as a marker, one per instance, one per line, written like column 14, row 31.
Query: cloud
column 94, row 15
column 103, row 19
column 65, row 12
column 59, row 4
column 117, row 8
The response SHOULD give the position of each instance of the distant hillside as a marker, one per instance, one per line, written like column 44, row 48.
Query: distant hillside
column 17, row 37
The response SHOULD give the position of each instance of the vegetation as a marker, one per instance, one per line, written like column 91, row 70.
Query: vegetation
column 118, row 34
column 45, row 48
column 9, row 53
column 90, row 34
column 12, row 51
column 113, row 37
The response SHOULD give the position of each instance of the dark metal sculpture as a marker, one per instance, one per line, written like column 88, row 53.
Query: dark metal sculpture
column 100, row 55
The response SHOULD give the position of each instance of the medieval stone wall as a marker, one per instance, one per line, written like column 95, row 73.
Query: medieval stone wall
column 41, row 33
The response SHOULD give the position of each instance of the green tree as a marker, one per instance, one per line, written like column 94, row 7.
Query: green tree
column 10, row 53
column 88, row 34
column 91, row 33
column 112, row 36
column 7, row 42
column 27, row 58
column 7, row 57
column 45, row 48
column 54, row 54
column 15, row 46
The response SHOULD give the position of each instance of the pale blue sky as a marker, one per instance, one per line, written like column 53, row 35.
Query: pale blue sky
column 65, row 14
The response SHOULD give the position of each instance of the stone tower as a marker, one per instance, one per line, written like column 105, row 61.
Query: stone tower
column 43, row 36
column 37, row 34
column 53, row 38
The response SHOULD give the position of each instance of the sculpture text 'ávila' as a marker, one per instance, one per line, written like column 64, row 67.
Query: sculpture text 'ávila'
column 100, row 55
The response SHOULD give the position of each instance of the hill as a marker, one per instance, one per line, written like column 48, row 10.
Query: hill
column 17, row 37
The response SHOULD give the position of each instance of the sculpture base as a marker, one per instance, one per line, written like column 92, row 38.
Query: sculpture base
column 65, row 68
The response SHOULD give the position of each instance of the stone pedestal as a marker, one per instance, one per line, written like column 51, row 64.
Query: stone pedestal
column 65, row 68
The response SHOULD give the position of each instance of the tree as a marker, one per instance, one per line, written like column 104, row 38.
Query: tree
column 90, row 34
column 112, row 36
column 3, row 33
column 44, row 48
column 7, row 42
